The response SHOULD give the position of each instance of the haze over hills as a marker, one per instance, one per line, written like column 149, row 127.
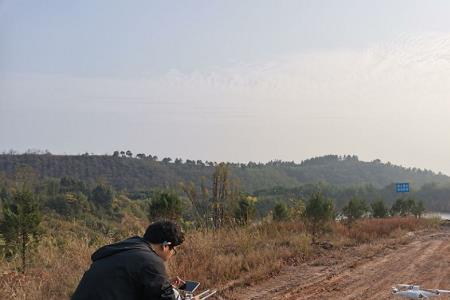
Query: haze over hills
column 141, row 172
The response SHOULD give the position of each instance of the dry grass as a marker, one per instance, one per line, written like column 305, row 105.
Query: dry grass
column 367, row 230
column 217, row 259
column 58, row 262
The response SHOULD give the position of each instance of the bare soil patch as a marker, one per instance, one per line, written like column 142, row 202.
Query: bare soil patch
column 367, row 271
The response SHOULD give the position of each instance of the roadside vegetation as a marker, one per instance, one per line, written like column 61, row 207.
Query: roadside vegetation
column 225, row 258
column 51, row 226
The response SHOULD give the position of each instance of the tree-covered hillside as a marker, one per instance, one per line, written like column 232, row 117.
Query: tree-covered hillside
column 436, row 197
column 125, row 171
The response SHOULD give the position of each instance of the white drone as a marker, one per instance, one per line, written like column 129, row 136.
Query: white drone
column 415, row 292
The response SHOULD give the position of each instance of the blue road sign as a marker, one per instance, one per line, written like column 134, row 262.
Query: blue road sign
column 402, row 187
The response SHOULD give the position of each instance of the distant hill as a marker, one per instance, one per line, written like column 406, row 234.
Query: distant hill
column 144, row 172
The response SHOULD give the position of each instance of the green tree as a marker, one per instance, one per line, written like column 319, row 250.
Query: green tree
column 246, row 210
column 319, row 212
column 398, row 208
column 403, row 207
column 280, row 212
column 69, row 204
column 69, row 184
column 102, row 195
column 379, row 209
column 355, row 209
column 4, row 195
column 166, row 160
column 20, row 224
column 141, row 155
column 418, row 209
column 165, row 205
column 410, row 205
column 297, row 209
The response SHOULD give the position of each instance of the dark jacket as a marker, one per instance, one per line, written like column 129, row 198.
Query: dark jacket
column 126, row 270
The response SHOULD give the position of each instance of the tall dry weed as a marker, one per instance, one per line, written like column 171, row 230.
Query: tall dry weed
column 367, row 230
column 216, row 258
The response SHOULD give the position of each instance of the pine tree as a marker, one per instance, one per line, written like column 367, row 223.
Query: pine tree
column 355, row 209
column 319, row 212
column 280, row 212
column 418, row 209
column 20, row 224
column 379, row 209
column 246, row 210
column 102, row 195
column 166, row 205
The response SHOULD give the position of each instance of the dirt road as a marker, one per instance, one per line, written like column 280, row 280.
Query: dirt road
column 363, row 272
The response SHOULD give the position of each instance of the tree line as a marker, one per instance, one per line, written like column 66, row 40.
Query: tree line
column 124, row 170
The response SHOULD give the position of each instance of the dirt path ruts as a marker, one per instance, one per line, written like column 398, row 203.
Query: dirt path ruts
column 364, row 272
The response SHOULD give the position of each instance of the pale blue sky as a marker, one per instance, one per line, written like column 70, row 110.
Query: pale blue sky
column 130, row 38
column 228, row 80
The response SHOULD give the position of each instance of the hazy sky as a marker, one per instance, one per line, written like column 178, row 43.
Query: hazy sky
column 228, row 80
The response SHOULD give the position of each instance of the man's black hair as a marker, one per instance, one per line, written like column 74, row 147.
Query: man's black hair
column 164, row 231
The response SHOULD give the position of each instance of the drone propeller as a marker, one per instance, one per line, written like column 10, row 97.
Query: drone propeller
column 442, row 292
column 437, row 292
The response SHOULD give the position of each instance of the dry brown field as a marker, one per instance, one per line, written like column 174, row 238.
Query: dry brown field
column 264, row 261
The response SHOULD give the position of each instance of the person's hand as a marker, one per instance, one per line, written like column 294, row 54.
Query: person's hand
column 196, row 298
column 177, row 282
